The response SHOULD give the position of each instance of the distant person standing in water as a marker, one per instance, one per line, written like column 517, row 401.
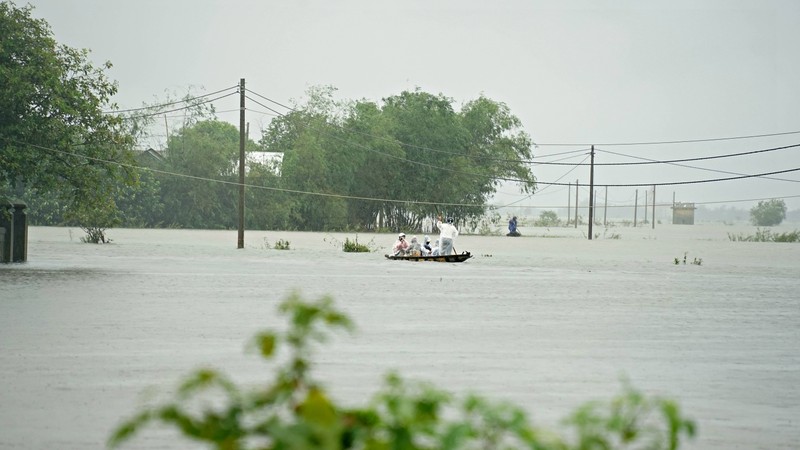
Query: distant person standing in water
column 448, row 233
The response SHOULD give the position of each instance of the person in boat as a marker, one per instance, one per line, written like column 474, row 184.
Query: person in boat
column 448, row 233
column 426, row 247
column 435, row 249
column 401, row 246
column 414, row 248
column 512, row 227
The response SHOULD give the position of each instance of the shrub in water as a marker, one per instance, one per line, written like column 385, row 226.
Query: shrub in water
column 354, row 247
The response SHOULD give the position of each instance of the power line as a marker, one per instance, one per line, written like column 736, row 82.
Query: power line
column 185, row 100
column 683, row 141
column 713, row 180
column 707, row 169
column 548, row 185
column 252, row 186
column 671, row 161
column 658, row 204
column 557, row 163
column 407, row 145
column 236, row 183
column 263, row 105
column 160, row 113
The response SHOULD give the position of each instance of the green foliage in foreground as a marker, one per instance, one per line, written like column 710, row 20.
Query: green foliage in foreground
column 766, row 235
column 293, row 411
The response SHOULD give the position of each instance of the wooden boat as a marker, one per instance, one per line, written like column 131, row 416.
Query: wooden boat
column 457, row 258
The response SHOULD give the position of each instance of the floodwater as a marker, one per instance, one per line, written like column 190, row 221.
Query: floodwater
column 88, row 333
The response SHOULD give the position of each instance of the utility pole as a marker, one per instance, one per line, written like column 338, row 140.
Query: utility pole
column 576, row 203
column 591, row 193
column 240, row 241
column 635, row 208
column 569, row 202
column 605, row 209
column 654, row 207
column 645, row 206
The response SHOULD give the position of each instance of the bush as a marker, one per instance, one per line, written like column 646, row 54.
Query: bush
column 768, row 213
column 547, row 219
column 280, row 244
column 766, row 236
column 293, row 411
column 354, row 247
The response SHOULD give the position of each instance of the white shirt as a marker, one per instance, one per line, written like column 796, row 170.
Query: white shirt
column 448, row 230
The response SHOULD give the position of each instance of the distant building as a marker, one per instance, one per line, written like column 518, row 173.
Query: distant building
column 683, row 213
column 151, row 154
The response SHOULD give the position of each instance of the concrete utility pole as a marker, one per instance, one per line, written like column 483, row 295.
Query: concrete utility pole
column 591, row 193
column 240, row 241
column 569, row 202
column 654, row 206
column 576, row 203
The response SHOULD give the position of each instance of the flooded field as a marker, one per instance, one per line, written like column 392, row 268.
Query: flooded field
column 549, row 320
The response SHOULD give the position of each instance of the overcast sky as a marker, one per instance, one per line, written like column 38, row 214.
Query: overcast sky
column 575, row 72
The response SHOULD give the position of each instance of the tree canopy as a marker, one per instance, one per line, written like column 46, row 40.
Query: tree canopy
column 393, row 164
column 362, row 165
column 55, row 138
column 768, row 213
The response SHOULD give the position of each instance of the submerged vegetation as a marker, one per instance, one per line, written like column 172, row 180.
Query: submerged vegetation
column 766, row 235
column 294, row 411
column 696, row 261
column 280, row 244
column 354, row 247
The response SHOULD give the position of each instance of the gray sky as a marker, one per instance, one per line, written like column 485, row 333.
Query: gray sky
column 602, row 72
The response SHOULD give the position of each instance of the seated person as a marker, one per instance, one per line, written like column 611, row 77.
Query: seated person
column 426, row 247
column 401, row 246
column 435, row 250
column 415, row 248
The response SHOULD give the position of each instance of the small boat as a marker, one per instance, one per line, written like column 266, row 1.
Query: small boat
column 457, row 258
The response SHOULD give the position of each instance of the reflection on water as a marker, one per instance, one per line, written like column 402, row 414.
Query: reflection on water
column 547, row 323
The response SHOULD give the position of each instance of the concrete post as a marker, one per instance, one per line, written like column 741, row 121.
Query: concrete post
column 19, row 233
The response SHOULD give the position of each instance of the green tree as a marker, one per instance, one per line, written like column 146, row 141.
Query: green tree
column 54, row 137
column 140, row 205
column 315, row 164
column 294, row 411
column 376, row 159
column 199, row 187
column 413, row 150
column 768, row 213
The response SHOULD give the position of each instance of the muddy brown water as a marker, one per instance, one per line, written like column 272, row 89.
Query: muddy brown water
column 88, row 333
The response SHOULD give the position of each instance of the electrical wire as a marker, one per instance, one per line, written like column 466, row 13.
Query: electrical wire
column 236, row 183
column 714, row 170
column 547, row 185
column 387, row 200
column 671, row 161
column 406, row 145
column 185, row 100
column 683, row 141
column 161, row 113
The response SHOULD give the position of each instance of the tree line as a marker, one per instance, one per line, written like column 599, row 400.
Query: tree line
column 360, row 165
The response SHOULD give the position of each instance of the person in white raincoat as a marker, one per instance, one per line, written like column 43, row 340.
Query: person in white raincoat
column 448, row 233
